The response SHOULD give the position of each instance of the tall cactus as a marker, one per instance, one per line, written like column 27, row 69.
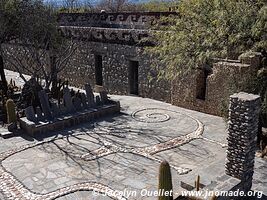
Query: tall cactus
column 11, row 113
column 197, row 183
column 165, row 182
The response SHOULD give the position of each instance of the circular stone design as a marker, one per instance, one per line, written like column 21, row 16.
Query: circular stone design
column 151, row 115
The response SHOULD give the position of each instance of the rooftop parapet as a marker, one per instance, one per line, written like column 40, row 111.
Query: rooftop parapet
column 108, row 35
column 125, row 20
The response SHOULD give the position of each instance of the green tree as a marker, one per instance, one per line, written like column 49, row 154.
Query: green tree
column 9, row 28
column 32, row 42
column 208, row 29
column 157, row 5
column 26, row 22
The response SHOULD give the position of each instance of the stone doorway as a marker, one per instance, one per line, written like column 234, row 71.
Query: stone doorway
column 98, row 70
column 133, row 77
column 201, row 83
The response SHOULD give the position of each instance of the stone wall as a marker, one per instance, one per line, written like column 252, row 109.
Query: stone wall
column 226, row 78
column 115, row 63
column 120, row 38
column 129, row 20
column 200, row 90
column 109, row 35
column 244, row 112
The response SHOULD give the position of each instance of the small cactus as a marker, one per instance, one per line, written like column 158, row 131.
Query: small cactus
column 11, row 113
column 197, row 183
column 165, row 182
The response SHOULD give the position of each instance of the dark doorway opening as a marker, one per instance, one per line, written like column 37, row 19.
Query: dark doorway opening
column 201, row 88
column 133, row 77
column 98, row 70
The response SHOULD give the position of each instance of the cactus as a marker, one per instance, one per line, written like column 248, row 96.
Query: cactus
column 165, row 182
column 11, row 113
column 197, row 183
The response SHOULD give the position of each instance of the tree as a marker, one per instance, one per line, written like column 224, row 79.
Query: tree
column 112, row 5
column 71, row 4
column 75, row 6
column 17, row 26
column 30, row 29
column 38, row 47
column 9, row 28
column 157, row 5
column 39, row 62
column 208, row 29
column 10, row 18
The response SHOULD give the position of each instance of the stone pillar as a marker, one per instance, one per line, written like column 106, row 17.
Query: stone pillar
column 242, row 132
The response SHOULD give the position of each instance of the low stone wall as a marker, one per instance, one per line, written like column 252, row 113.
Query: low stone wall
column 224, row 183
column 63, row 122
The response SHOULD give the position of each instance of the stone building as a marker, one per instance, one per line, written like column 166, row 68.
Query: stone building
column 111, row 53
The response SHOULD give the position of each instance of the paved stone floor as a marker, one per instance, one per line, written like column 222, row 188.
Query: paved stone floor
column 119, row 153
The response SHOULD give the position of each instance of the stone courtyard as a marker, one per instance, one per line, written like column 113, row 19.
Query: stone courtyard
column 117, row 153
column 121, row 104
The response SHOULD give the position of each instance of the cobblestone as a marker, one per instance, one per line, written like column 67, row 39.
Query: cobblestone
column 116, row 153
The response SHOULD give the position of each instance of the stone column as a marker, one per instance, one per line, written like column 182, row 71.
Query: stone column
column 244, row 112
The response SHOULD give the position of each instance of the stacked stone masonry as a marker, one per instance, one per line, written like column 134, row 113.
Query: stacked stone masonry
column 244, row 112
column 129, row 20
column 109, row 35
column 119, row 39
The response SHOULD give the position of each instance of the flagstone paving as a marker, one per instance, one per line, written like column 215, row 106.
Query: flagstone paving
column 119, row 153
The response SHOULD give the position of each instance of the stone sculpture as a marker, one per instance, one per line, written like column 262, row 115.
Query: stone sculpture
column 67, row 100
column 90, row 95
column 30, row 115
column 45, row 104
